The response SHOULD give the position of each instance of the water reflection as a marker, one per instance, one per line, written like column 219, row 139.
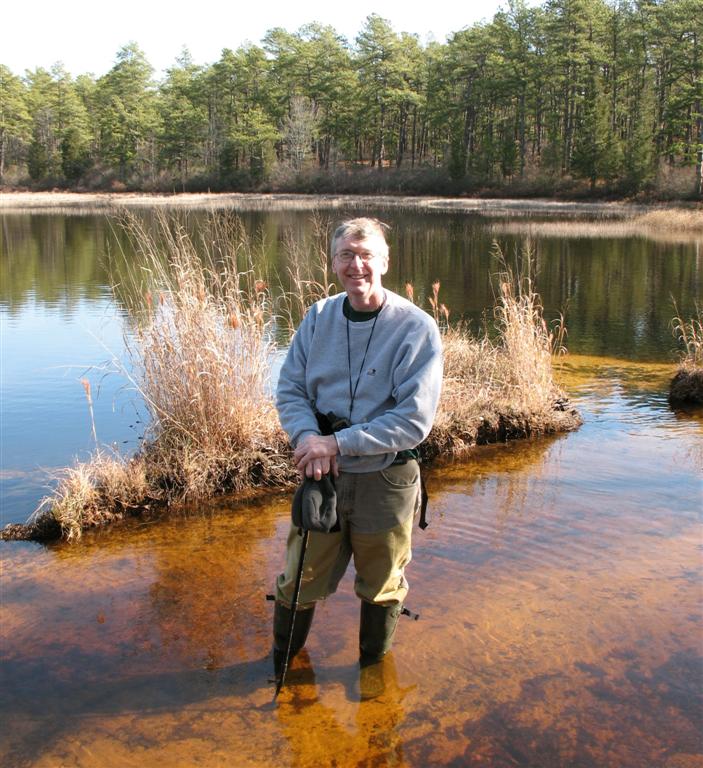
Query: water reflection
column 59, row 316
column 559, row 587
column 343, row 730
column 618, row 290
column 559, row 582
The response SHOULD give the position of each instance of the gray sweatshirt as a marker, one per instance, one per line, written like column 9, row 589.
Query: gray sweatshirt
column 398, row 388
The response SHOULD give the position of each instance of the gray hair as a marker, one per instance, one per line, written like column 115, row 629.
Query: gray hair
column 361, row 229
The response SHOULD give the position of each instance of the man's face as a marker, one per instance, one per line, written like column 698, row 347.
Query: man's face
column 359, row 267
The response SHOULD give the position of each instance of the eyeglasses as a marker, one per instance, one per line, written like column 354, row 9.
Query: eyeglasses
column 346, row 257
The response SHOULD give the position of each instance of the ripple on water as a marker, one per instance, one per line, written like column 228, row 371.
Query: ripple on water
column 559, row 592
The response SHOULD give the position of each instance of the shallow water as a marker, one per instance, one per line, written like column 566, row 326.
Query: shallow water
column 559, row 587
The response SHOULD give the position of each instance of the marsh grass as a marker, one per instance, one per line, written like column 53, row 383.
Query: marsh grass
column 104, row 489
column 201, row 361
column 687, row 384
column 199, row 354
column 500, row 385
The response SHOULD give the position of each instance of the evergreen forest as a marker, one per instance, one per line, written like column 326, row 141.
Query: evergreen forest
column 574, row 97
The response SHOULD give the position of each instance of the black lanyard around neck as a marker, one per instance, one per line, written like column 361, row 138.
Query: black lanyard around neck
column 352, row 390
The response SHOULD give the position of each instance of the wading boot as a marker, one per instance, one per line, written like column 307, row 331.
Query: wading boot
column 376, row 629
column 281, row 628
column 374, row 677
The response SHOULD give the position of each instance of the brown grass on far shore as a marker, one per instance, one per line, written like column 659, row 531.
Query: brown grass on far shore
column 681, row 219
column 200, row 353
column 665, row 224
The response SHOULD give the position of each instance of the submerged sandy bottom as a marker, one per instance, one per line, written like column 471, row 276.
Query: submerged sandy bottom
column 559, row 587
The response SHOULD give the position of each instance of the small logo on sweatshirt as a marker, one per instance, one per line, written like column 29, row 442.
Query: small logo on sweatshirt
column 371, row 372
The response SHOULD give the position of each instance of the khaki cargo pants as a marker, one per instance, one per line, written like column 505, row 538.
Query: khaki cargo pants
column 376, row 512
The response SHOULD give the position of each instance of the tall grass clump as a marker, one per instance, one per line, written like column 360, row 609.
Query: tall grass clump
column 200, row 359
column 499, row 383
column 687, row 384
column 198, row 354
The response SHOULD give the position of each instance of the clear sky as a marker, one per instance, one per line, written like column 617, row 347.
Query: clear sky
column 85, row 35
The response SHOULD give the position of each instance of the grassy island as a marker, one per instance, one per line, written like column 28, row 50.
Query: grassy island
column 686, row 387
column 205, row 329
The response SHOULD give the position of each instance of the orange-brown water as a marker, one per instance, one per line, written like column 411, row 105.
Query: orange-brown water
column 559, row 587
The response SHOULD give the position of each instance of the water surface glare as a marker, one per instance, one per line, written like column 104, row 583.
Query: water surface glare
column 559, row 587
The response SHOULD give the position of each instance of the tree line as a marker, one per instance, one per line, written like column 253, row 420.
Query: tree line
column 609, row 94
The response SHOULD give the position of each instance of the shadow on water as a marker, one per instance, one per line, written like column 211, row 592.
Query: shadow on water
column 561, row 622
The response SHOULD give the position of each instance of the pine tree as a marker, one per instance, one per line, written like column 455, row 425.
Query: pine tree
column 14, row 119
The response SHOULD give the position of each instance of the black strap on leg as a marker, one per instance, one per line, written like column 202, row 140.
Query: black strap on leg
column 423, row 503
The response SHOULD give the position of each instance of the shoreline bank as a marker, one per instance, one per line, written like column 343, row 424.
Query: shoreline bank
column 34, row 201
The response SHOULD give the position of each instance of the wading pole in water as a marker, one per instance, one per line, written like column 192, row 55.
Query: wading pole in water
column 293, row 611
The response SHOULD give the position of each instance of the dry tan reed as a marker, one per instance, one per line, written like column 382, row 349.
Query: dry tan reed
column 687, row 384
column 496, row 387
column 201, row 360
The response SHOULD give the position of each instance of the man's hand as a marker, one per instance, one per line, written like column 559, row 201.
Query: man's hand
column 316, row 456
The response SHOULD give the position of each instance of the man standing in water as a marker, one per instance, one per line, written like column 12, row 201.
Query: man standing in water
column 357, row 394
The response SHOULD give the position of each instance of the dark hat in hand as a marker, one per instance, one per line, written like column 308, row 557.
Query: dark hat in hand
column 315, row 505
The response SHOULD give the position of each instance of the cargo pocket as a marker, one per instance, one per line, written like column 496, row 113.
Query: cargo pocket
column 401, row 475
column 386, row 499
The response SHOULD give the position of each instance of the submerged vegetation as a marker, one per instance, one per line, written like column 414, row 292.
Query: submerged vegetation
column 200, row 352
column 687, row 384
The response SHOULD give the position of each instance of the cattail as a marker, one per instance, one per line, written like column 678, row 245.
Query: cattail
column 149, row 303
column 260, row 286
column 410, row 292
column 233, row 321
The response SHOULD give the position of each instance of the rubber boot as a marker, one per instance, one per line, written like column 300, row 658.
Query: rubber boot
column 376, row 629
column 375, row 676
column 281, row 627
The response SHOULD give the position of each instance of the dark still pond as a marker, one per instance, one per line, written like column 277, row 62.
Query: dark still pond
column 559, row 582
